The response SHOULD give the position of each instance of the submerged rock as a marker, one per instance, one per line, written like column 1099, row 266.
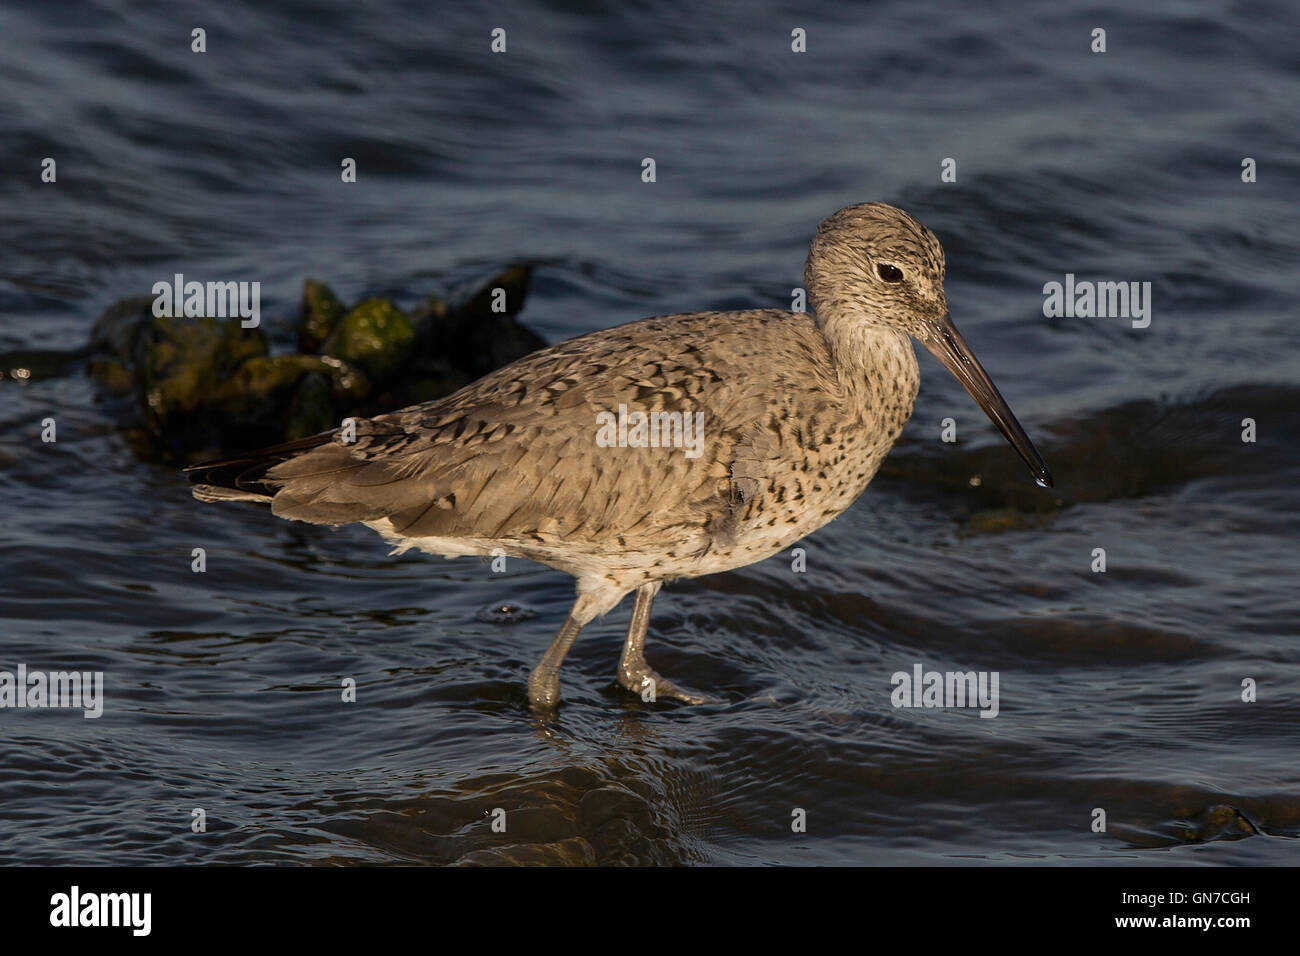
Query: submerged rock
column 1219, row 822
column 997, row 520
column 1190, row 826
column 573, row 851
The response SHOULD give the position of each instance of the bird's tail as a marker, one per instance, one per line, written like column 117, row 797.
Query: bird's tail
column 243, row 477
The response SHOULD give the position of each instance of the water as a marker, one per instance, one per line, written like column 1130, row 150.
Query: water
column 1119, row 691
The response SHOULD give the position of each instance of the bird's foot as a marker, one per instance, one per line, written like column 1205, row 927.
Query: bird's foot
column 649, row 685
column 543, row 691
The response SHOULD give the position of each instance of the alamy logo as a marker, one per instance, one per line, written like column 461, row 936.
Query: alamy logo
column 651, row 430
column 74, row 908
column 81, row 689
column 217, row 300
column 923, row 688
column 1102, row 300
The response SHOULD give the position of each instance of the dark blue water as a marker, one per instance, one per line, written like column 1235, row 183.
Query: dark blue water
column 1119, row 690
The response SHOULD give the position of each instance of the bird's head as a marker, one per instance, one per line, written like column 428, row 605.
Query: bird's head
column 874, row 265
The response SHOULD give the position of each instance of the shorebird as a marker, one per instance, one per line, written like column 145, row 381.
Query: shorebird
column 793, row 414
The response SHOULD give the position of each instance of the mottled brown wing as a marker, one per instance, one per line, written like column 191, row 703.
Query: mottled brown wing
column 515, row 455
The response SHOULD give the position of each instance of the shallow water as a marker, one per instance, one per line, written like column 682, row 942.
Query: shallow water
column 1119, row 691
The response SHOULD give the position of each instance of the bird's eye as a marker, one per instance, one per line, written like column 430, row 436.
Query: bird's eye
column 889, row 273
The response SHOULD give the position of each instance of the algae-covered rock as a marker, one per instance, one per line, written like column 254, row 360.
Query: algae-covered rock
column 262, row 389
column 112, row 344
column 114, row 377
column 376, row 337
column 488, row 301
column 424, row 380
column 319, row 315
column 432, row 309
column 313, row 408
column 181, row 362
column 476, row 338
column 207, row 386
column 115, row 331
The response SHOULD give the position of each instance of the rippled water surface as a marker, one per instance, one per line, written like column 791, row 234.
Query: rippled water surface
column 1120, row 691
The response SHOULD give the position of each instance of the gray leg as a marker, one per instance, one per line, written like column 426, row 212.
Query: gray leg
column 544, row 681
column 633, row 672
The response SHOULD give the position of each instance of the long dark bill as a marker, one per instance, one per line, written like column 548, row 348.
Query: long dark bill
column 951, row 349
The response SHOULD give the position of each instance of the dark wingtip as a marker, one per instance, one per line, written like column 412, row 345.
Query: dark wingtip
column 245, row 472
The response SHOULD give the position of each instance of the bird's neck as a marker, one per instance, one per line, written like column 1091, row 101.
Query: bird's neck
column 874, row 362
column 857, row 344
